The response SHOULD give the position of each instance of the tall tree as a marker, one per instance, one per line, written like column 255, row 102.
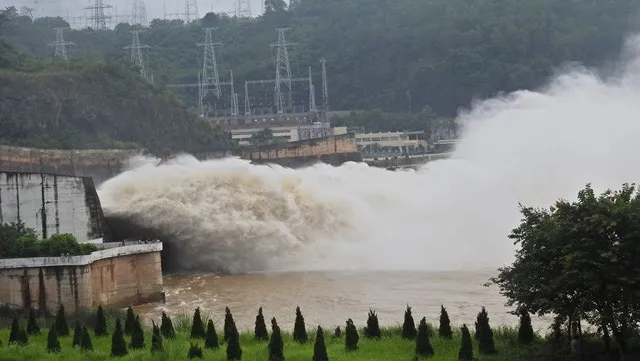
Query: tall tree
column 62, row 327
column 299, row 328
column 260, row 330
column 197, row 327
column 423, row 344
column 525, row 331
column 100, row 328
column 319, row 348
column 53, row 344
column 211, row 340
column 466, row 347
column 408, row 327
column 372, row 330
column 444, row 330
column 276, row 344
column 118, row 345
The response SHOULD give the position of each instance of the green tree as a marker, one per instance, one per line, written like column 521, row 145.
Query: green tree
column 260, row 330
column 486, row 343
column 77, row 334
column 62, row 327
column 319, row 348
column 337, row 333
column 372, row 330
column 137, row 335
column 423, row 344
column 85, row 343
column 118, row 345
column 409, row 326
column 195, row 351
column 129, row 322
column 17, row 335
column 53, row 344
column 276, row 344
column 32, row 323
column 234, row 352
column 444, row 330
column 197, row 327
column 525, row 331
column 100, row 328
column 271, row 6
column 466, row 348
column 299, row 328
column 156, row 339
column 229, row 324
column 351, row 336
column 166, row 327
column 211, row 339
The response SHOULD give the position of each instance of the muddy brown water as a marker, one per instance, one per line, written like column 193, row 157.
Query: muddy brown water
column 330, row 298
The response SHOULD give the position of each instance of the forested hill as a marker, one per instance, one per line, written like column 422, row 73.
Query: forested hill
column 389, row 55
column 93, row 104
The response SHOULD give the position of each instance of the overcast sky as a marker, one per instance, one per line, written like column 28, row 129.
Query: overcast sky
column 155, row 8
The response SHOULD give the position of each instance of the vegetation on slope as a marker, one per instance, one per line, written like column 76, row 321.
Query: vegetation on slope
column 93, row 104
column 17, row 241
column 393, row 55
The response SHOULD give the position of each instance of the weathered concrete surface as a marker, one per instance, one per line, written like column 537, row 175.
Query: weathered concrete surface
column 412, row 162
column 118, row 277
column 333, row 150
column 100, row 164
column 52, row 204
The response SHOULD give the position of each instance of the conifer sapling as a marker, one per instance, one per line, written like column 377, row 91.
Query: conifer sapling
column 229, row 324
column 299, row 328
column 525, row 331
column 423, row 344
column 53, row 344
column 137, row 335
column 409, row 326
column 77, row 334
column 444, row 330
column 234, row 352
column 260, row 330
column 100, row 328
column 129, row 322
column 118, row 345
column 466, row 348
column 194, row 351
column 351, row 336
column 32, row 324
column 17, row 335
column 62, row 327
column 156, row 339
column 85, row 343
column 166, row 327
column 276, row 344
column 197, row 327
column 319, row 348
column 486, row 344
column 211, row 340
column 373, row 327
column 337, row 333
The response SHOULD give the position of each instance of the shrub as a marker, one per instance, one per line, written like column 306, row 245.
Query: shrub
column 319, row 348
column 53, row 344
column 85, row 343
column 211, row 339
column 525, row 331
column 409, row 326
column 100, row 328
column 197, row 327
column 444, row 330
column 62, row 327
column 337, row 333
column 373, row 328
column 118, row 345
column 260, row 330
column 229, row 324
column 234, row 352
column 466, row 348
column 486, row 344
column 77, row 334
column 32, row 324
column 137, row 335
column 423, row 345
column 166, row 327
column 156, row 339
column 276, row 344
column 194, row 351
column 299, row 328
column 351, row 336
column 129, row 322
column 17, row 335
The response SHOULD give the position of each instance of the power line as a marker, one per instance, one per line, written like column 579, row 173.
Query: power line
column 98, row 17
column 138, row 13
column 191, row 11
column 243, row 8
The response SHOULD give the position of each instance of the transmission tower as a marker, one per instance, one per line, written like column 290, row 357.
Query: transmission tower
column 312, row 95
column 136, row 53
column 98, row 17
column 325, row 89
column 210, row 78
column 138, row 12
column 282, row 65
column 61, row 45
column 243, row 8
column 234, row 97
column 191, row 11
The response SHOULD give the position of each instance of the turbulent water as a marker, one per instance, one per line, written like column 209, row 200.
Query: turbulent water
column 529, row 147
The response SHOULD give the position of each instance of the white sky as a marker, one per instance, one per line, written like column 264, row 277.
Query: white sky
column 155, row 8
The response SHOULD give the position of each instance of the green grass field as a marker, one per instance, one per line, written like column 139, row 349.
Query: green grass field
column 390, row 347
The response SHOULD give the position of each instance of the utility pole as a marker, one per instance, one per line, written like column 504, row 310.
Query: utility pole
column 282, row 65
column 61, row 45
column 138, row 13
column 210, row 79
column 312, row 95
column 325, row 90
column 234, row 98
column 191, row 11
column 136, row 53
column 98, row 17
column 243, row 8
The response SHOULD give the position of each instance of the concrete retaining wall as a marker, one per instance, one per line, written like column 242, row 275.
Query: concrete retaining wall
column 333, row 150
column 118, row 277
